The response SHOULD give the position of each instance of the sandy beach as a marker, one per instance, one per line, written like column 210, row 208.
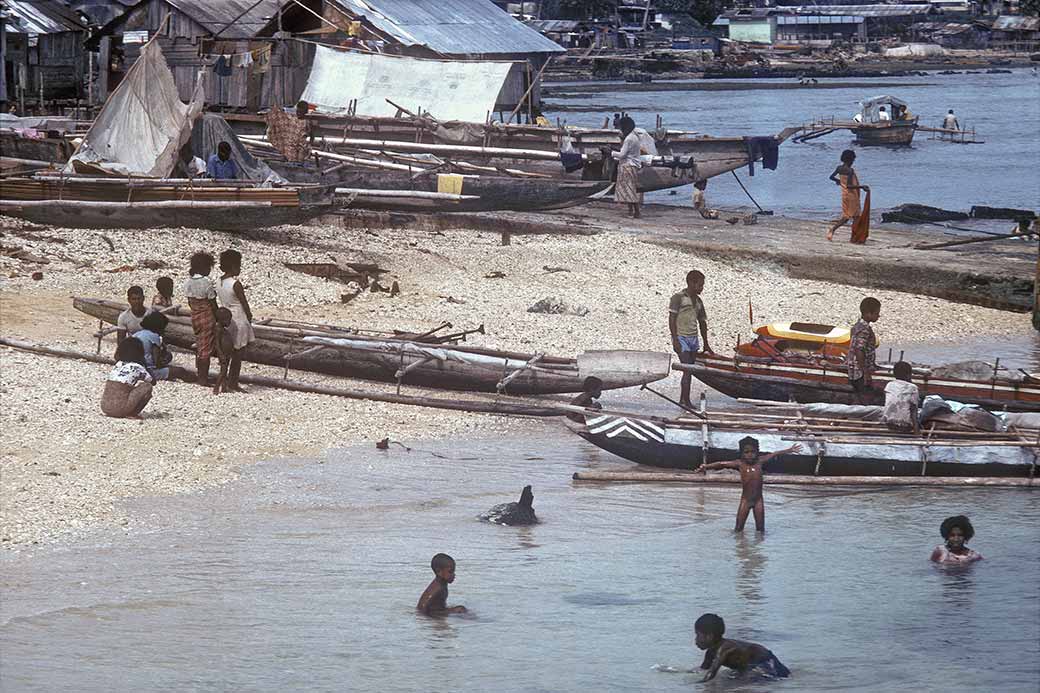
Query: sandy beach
column 66, row 466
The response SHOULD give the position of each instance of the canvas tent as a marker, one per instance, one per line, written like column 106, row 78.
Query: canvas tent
column 871, row 107
column 448, row 90
column 143, row 124
column 210, row 130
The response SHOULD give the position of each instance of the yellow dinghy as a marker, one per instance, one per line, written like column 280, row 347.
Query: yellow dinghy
column 806, row 332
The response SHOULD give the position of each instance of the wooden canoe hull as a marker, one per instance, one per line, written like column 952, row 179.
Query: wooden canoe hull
column 121, row 215
column 678, row 444
column 461, row 368
column 892, row 133
column 493, row 193
column 784, row 382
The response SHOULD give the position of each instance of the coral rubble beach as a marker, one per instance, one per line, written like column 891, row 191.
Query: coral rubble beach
column 66, row 467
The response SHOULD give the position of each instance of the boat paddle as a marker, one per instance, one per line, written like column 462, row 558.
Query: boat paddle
column 669, row 399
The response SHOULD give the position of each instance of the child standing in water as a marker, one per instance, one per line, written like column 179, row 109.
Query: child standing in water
column 434, row 601
column 750, row 467
column 733, row 654
column 957, row 531
column 233, row 297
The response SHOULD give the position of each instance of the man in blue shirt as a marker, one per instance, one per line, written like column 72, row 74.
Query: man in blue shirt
column 220, row 166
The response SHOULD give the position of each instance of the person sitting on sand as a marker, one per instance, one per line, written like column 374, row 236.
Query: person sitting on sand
column 157, row 358
column 700, row 203
column 750, row 465
column 164, row 293
column 901, row 400
column 221, row 166
column 733, row 654
column 128, row 388
column 224, row 340
column 434, row 600
column 957, row 531
column 233, row 297
column 845, row 177
column 129, row 321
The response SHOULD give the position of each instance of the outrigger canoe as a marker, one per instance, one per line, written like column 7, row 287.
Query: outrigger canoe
column 342, row 352
column 829, row 447
column 786, row 379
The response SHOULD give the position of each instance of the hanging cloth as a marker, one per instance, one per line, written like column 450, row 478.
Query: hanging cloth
column 861, row 227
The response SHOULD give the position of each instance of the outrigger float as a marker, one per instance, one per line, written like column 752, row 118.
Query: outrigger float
column 345, row 352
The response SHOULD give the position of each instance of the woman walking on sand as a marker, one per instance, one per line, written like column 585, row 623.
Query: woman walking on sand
column 629, row 163
column 845, row 177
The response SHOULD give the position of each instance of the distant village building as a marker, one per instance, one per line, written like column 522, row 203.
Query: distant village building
column 768, row 25
column 259, row 53
column 956, row 35
column 41, row 42
column 1016, row 34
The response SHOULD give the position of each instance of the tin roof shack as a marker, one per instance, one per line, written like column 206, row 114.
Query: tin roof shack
column 43, row 57
column 879, row 21
column 569, row 33
column 213, row 36
column 452, row 29
column 750, row 24
column 957, row 35
column 804, row 28
column 1020, row 34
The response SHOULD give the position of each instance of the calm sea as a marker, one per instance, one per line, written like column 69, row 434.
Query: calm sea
column 303, row 576
column 1003, row 108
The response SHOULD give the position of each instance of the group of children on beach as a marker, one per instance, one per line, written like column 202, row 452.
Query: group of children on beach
column 221, row 322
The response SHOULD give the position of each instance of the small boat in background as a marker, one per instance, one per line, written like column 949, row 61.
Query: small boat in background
column 343, row 352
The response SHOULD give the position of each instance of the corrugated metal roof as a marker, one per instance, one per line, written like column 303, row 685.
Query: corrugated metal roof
column 865, row 10
column 819, row 19
column 215, row 15
column 450, row 27
column 40, row 17
column 554, row 24
column 1017, row 24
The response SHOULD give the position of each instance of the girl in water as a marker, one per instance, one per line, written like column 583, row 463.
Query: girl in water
column 957, row 531
column 845, row 177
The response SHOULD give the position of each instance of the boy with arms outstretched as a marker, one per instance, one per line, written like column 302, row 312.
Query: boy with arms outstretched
column 750, row 467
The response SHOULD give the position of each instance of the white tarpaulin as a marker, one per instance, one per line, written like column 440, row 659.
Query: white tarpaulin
column 447, row 89
column 143, row 124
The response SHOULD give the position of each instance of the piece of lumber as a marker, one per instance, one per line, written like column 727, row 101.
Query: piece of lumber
column 803, row 480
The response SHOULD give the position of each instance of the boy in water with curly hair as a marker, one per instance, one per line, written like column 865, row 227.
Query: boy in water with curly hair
column 750, row 467
column 434, row 601
column 734, row 654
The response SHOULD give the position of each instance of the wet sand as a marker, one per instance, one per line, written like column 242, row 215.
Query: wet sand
column 66, row 467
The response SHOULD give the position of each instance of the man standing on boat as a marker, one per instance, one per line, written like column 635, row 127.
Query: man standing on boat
column 686, row 316
column 950, row 123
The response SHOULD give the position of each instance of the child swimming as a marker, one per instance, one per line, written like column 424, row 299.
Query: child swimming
column 434, row 601
column 733, row 654
column 957, row 531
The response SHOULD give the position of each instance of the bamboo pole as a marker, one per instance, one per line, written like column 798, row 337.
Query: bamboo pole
column 160, row 204
column 802, row 480
column 415, row 194
column 394, row 145
column 498, row 405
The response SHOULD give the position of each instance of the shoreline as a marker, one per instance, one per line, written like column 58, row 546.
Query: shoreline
column 66, row 467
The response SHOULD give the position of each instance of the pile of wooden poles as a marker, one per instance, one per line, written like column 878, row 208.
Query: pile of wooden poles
column 146, row 190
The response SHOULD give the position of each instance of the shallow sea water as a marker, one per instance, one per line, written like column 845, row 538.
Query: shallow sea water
column 303, row 576
column 1003, row 108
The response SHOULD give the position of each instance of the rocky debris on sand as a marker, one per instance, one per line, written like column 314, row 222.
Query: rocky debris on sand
column 557, row 306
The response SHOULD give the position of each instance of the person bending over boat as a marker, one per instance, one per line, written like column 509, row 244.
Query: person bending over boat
column 902, row 399
column 685, row 316
column 750, row 466
column 434, row 600
column 591, row 390
column 862, row 358
column 957, row 531
column 733, row 654
column 845, row 177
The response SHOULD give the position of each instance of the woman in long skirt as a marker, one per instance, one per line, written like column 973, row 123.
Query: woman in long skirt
column 626, row 191
column 845, row 177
